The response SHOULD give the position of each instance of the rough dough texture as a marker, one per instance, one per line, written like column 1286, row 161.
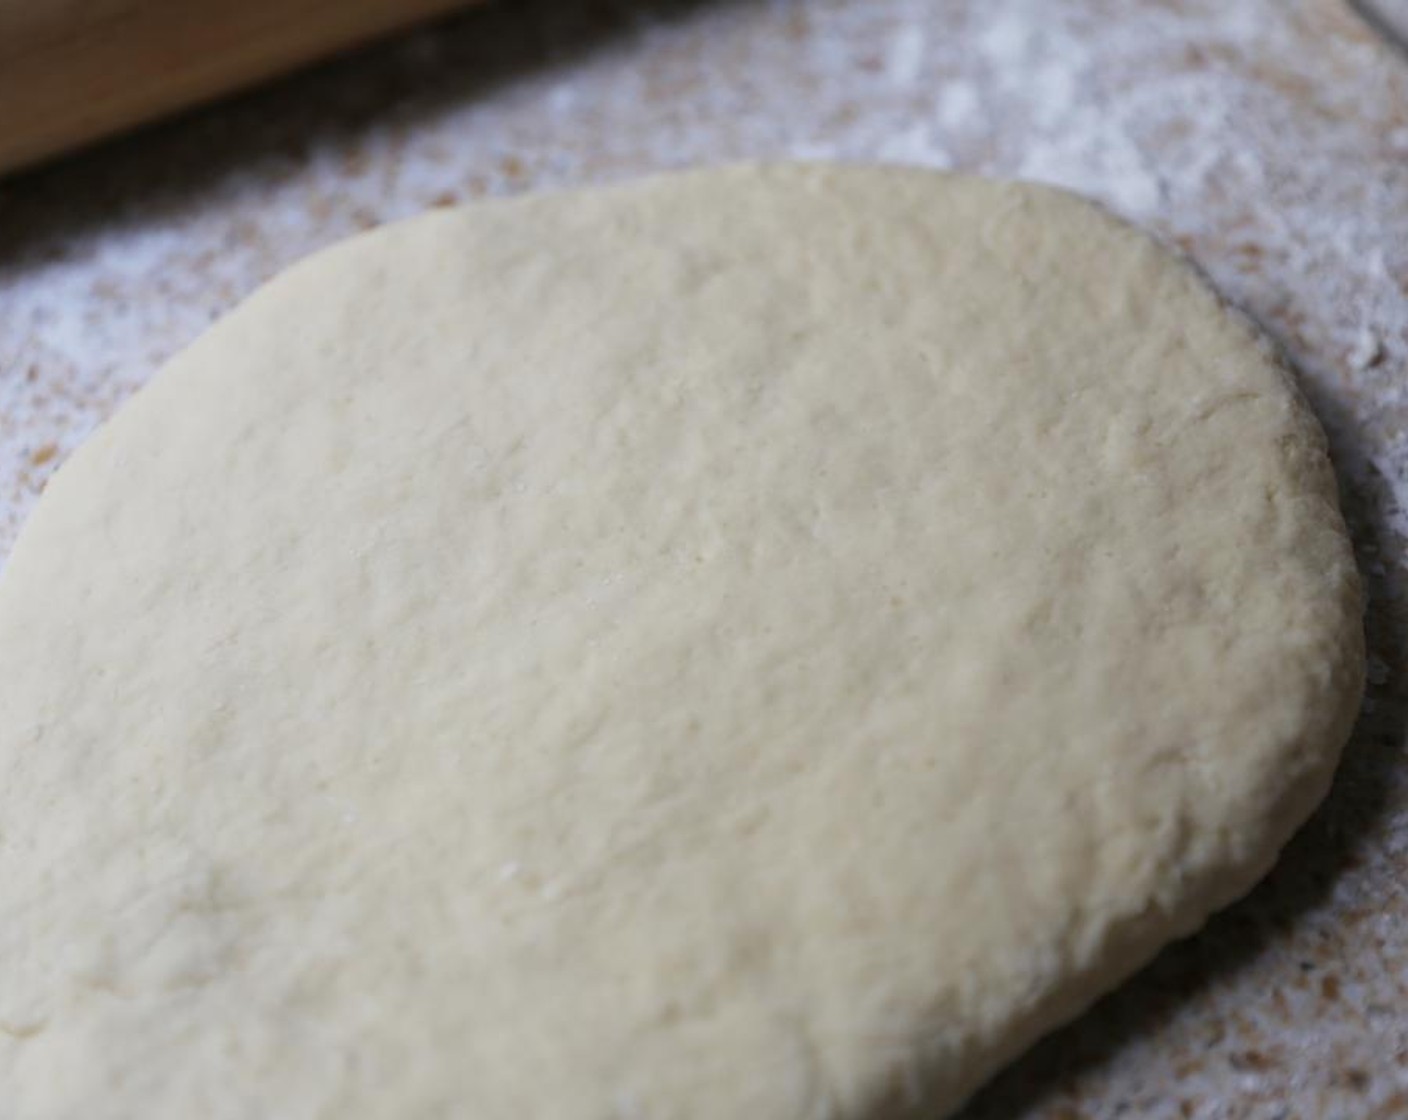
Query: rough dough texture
column 761, row 643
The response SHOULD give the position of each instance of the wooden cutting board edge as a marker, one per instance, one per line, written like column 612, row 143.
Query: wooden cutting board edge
column 73, row 71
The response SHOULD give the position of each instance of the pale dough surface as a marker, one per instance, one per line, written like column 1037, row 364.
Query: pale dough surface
column 762, row 643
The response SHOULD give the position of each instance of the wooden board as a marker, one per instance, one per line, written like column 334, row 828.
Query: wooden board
column 74, row 70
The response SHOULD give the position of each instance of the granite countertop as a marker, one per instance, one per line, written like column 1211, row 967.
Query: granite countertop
column 1267, row 138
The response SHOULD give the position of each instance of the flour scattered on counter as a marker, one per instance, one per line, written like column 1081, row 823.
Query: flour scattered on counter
column 906, row 54
column 1009, row 36
column 958, row 106
column 1368, row 350
column 918, row 145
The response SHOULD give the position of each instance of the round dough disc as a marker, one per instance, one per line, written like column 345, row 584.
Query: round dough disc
column 760, row 643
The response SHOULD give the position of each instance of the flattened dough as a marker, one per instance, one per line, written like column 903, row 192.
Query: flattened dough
column 761, row 643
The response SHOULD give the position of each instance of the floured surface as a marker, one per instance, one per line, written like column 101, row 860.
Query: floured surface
column 1267, row 138
column 757, row 643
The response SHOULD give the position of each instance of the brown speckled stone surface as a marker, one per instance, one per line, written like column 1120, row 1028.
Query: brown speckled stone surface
column 1268, row 138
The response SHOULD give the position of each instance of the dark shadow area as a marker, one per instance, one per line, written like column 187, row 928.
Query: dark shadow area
column 1370, row 14
column 1330, row 845
column 153, row 173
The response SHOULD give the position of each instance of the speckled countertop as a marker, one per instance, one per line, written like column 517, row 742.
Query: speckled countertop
column 1268, row 138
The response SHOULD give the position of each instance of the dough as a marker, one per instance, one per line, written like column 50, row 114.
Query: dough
column 761, row 643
